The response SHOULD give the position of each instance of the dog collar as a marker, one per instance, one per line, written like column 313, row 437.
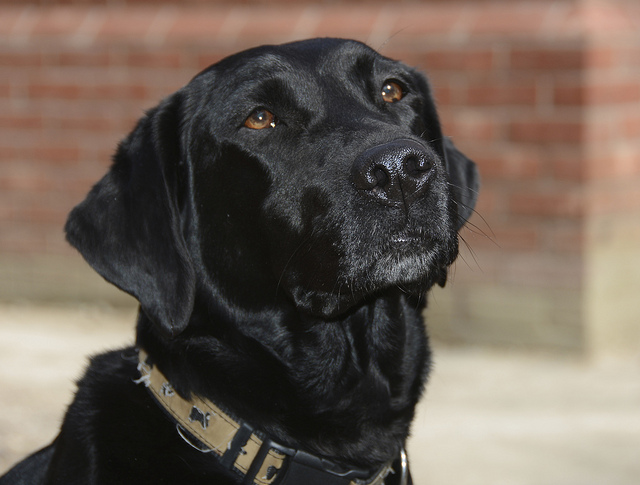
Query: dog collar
column 256, row 459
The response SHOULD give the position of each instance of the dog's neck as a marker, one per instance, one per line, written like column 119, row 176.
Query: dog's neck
column 345, row 388
column 244, row 451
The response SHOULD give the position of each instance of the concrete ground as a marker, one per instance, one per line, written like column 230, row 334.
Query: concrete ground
column 488, row 417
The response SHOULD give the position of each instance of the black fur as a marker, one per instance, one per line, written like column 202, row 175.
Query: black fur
column 281, row 272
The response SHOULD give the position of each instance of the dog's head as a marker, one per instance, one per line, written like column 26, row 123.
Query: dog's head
column 313, row 175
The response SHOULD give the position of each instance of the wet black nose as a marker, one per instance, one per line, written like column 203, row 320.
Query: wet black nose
column 393, row 173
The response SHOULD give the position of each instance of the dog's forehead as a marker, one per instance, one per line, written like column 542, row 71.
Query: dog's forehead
column 310, row 54
column 305, row 62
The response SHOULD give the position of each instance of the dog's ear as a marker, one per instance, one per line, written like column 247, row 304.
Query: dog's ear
column 463, row 174
column 129, row 226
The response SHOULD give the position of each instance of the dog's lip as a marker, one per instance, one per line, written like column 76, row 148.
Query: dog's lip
column 408, row 237
column 403, row 238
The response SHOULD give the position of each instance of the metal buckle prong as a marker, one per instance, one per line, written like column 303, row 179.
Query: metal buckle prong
column 404, row 467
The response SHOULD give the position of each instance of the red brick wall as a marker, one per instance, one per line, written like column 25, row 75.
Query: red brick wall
column 545, row 96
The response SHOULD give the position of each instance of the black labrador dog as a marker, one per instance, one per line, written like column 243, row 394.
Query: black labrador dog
column 279, row 219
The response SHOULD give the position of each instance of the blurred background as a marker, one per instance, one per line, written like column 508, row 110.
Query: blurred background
column 537, row 334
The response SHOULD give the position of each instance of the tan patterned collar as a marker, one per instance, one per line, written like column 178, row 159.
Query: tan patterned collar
column 256, row 460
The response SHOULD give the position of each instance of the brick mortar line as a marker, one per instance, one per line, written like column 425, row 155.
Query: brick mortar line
column 86, row 33
column 307, row 23
column 24, row 25
column 231, row 27
column 161, row 25
column 381, row 33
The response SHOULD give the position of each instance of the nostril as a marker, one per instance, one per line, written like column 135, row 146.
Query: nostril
column 381, row 175
column 416, row 165
column 411, row 164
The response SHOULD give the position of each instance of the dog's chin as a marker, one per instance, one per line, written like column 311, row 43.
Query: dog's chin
column 401, row 269
column 412, row 273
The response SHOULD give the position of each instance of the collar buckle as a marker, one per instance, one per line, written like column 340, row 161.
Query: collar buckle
column 313, row 470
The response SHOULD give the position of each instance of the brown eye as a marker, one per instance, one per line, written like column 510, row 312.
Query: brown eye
column 391, row 92
column 260, row 119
